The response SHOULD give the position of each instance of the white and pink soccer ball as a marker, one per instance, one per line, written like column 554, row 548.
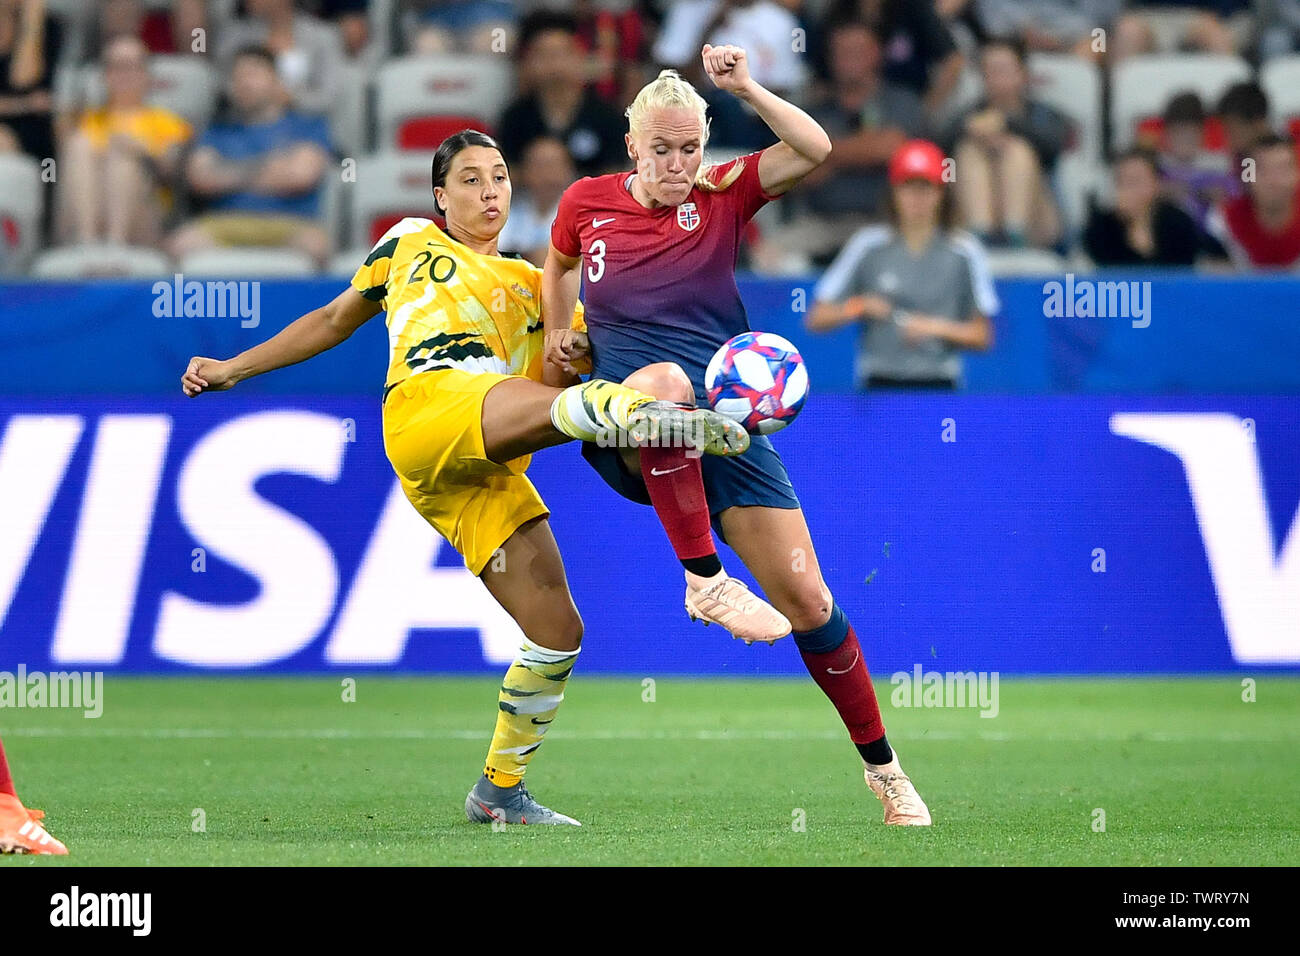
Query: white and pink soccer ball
column 759, row 380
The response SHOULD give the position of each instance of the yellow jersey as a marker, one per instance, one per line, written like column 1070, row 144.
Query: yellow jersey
column 451, row 307
column 154, row 127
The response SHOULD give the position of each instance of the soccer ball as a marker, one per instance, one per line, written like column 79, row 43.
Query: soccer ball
column 759, row 380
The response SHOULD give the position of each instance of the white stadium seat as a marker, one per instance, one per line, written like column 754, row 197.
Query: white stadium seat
column 345, row 264
column 417, row 87
column 100, row 260
column 1024, row 262
column 390, row 185
column 1280, row 78
column 21, row 210
column 1071, row 85
column 253, row 262
column 1142, row 85
column 1077, row 179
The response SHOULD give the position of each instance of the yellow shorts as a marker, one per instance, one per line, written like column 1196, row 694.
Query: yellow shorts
column 433, row 434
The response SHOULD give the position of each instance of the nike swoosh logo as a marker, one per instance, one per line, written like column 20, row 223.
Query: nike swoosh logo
column 659, row 474
column 831, row 670
column 597, row 223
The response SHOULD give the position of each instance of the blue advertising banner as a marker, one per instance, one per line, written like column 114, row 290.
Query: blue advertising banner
column 1020, row 535
column 1110, row 333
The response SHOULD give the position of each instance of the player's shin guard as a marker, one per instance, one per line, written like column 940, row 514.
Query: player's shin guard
column 530, row 697
column 834, row 659
column 596, row 409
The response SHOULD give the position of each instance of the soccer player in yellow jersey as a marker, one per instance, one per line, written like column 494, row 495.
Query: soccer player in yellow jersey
column 464, row 408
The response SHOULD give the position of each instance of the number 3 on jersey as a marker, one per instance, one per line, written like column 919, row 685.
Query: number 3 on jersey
column 596, row 261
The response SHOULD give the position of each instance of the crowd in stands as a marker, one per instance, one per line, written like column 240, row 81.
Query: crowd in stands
column 188, row 126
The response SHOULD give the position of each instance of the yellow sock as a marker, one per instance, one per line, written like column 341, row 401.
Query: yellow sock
column 594, row 410
column 530, row 697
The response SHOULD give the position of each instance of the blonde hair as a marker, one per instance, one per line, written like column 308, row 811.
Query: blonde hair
column 670, row 91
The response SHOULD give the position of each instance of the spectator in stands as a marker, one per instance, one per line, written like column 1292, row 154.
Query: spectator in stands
column 1205, row 30
column 351, row 19
column 559, row 103
column 29, row 51
column 1006, row 147
column 1143, row 229
column 119, row 160
column 1261, row 229
column 261, row 173
column 614, row 35
column 544, row 173
column 919, row 50
column 1052, row 26
column 867, row 118
column 459, row 26
column 920, row 290
column 1276, row 27
column 308, row 51
column 1243, row 110
column 1191, row 176
column 764, row 29
column 163, row 31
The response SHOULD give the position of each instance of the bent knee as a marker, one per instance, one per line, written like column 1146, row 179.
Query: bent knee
column 564, row 633
column 665, row 380
column 808, row 608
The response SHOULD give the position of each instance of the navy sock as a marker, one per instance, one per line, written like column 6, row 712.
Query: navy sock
column 824, row 639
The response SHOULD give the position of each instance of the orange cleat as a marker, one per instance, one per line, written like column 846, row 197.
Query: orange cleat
column 21, row 830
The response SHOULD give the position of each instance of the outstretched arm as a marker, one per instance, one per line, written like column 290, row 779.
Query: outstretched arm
column 804, row 144
column 309, row 335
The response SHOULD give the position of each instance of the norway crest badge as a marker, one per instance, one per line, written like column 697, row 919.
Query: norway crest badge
column 688, row 216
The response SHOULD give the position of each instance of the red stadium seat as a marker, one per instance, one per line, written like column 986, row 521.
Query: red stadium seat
column 427, row 132
column 1151, row 132
column 385, row 221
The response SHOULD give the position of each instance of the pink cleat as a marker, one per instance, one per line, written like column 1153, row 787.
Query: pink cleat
column 903, row 805
column 727, row 602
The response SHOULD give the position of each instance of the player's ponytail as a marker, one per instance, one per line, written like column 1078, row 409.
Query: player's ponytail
column 670, row 91
column 447, row 151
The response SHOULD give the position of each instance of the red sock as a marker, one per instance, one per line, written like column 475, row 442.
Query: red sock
column 6, row 779
column 676, row 485
column 842, row 675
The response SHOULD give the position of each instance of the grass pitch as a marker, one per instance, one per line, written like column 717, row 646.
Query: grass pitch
column 710, row 772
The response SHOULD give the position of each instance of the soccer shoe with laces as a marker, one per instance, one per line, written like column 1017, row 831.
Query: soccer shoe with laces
column 488, row 803
column 670, row 424
column 21, row 830
column 727, row 602
column 903, row 805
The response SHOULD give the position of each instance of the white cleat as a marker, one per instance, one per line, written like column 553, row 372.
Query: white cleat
column 903, row 805
column 727, row 602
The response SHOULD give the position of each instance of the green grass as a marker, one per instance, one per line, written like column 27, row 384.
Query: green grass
column 711, row 772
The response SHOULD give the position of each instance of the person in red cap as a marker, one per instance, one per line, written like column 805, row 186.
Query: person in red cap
column 920, row 288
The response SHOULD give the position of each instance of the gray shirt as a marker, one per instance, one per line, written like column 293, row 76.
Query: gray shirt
column 949, row 279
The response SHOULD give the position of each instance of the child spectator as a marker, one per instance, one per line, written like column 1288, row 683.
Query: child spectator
column 1193, row 177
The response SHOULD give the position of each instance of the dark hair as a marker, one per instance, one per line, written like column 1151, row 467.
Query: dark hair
column 544, row 21
column 1184, row 108
column 851, row 23
column 1142, row 153
column 256, row 51
column 447, row 151
column 1007, row 42
column 1245, row 101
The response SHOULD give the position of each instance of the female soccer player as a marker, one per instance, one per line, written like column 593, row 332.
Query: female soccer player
column 921, row 289
column 20, row 828
column 463, row 411
column 659, row 246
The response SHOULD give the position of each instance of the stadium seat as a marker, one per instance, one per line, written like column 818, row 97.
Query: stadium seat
column 345, row 264
column 1024, row 262
column 350, row 128
column 1072, row 86
column 21, row 211
column 1077, row 180
column 474, row 89
column 389, row 186
column 184, row 84
column 1280, row 78
column 427, row 132
column 1142, row 85
column 248, row 263
column 100, row 260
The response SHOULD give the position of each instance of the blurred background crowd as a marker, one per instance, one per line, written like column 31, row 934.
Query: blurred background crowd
column 283, row 136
